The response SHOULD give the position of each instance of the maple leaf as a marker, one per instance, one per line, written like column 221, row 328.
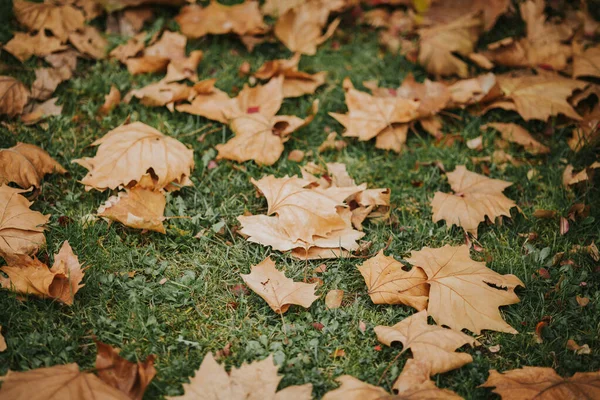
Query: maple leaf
column 24, row 45
column 40, row 111
column 441, row 12
column 475, row 197
column 137, row 208
column 569, row 178
column 463, row 293
column 256, row 380
column 209, row 102
column 587, row 63
column 414, row 383
column 299, row 28
column 430, row 344
column 538, row 382
column 59, row 382
column 32, row 277
column 537, row 96
column 218, row 19
column 89, row 41
column 61, row 20
column 369, row 116
column 389, row 283
column 261, row 99
column 21, row 229
column 517, row 134
column 13, row 96
column 47, row 80
column 130, row 378
column 440, row 42
column 295, row 83
column 26, row 164
column 161, row 93
column 129, row 49
column 138, row 154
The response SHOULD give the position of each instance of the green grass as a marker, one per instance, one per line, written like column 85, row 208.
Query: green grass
column 196, row 312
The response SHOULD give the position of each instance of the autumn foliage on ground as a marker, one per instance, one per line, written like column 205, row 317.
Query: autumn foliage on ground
column 418, row 224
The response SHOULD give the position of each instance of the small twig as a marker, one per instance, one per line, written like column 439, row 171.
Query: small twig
column 389, row 365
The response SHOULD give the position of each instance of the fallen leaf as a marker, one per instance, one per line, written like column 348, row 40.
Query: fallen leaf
column 32, row 277
column 89, row 41
column 137, row 208
column 475, row 197
column 276, row 289
column 431, row 345
column 2, row 341
column 24, row 45
column 218, row 19
column 61, row 381
column 13, row 96
column 296, row 156
column 60, row 19
column 129, row 49
column 463, row 293
column 209, row 102
column 256, row 380
column 569, row 178
column 130, row 378
column 465, row 92
column 587, row 63
column 517, row 134
column 40, row 111
column 161, row 93
column 138, row 154
column 21, row 229
column 300, row 28
column 389, row 283
column 26, row 165
column 331, row 143
column 579, row 350
column 48, row 79
column 475, row 143
column 334, row 298
column 587, row 131
column 295, row 83
column 111, row 100
column 414, row 383
column 532, row 382
column 494, row 349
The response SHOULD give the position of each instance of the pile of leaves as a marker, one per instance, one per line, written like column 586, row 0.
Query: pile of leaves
column 550, row 72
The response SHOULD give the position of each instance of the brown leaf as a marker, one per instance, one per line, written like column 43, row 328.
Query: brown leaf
column 26, row 165
column 579, row 350
column 300, row 28
column 129, row 49
column 21, row 229
column 582, row 301
column 40, row 111
column 89, row 41
column 463, row 293
column 2, row 341
column 138, row 154
column 48, row 79
column 137, row 208
column 517, row 134
column 331, row 143
column 32, row 277
column 24, row 45
column 431, row 345
column 389, row 283
column 217, row 19
column 111, row 100
column 210, row 102
column 475, row 197
column 295, row 83
column 161, row 93
column 130, row 378
column 587, row 131
column 587, row 63
column 482, row 89
column 334, row 298
column 64, row 382
column 296, row 156
column 277, row 290
column 569, row 178
column 256, row 380
column 414, row 383
column 531, row 382
column 13, row 96
column 61, row 20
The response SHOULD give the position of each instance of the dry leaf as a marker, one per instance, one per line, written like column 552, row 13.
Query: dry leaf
column 582, row 301
column 296, row 155
column 440, row 42
column 466, row 92
column 258, row 380
column 61, row 382
column 389, row 283
column 130, row 378
column 40, row 111
column 26, row 165
column 334, row 298
column 587, row 63
column 430, row 344
column 331, row 144
column 517, row 134
column 534, row 382
column 130, row 48
column 463, row 293
column 475, row 143
column 579, row 350
column 300, row 28
column 414, row 383
column 137, row 208
column 218, row 19
column 2, row 341
column 277, row 290
column 295, row 83
column 587, row 131
column 13, row 96
column 111, row 100
column 61, row 20
column 161, row 93
column 21, row 229
column 210, row 102
column 24, row 45
column 138, row 154
column 32, row 277
column 537, row 96
column 475, row 197
column 569, row 178
column 48, row 79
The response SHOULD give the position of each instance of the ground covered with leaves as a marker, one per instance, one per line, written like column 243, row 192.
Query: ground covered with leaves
column 185, row 286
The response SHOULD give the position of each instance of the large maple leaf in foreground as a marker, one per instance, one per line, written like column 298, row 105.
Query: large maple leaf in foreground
column 475, row 197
